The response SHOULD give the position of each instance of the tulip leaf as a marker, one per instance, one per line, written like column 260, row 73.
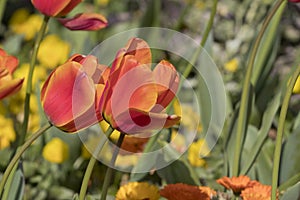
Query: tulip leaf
column 152, row 15
column 292, row 181
column 177, row 168
column 17, row 187
column 290, row 160
column 263, row 132
column 292, row 193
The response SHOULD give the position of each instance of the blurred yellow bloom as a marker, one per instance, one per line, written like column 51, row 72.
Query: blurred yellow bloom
column 196, row 151
column 102, row 2
column 7, row 133
column 296, row 88
column 53, row 51
column 232, row 65
column 56, row 151
column 23, row 23
column 189, row 117
column 138, row 191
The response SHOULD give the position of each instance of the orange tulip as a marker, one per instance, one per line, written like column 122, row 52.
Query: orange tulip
column 55, row 8
column 134, row 98
column 8, row 65
column 60, row 8
column 71, row 94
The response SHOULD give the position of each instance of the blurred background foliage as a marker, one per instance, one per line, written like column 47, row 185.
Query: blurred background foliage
column 235, row 26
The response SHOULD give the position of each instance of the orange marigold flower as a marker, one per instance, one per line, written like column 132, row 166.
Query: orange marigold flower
column 210, row 192
column 180, row 191
column 257, row 192
column 236, row 184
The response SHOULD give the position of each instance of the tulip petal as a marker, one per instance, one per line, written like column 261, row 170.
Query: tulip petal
column 50, row 7
column 67, row 94
column 135, row 89
column 72, row 4
column 135, row 47
column 167, row 80
column 10, row 87
column 84, row 21
column 141, row 121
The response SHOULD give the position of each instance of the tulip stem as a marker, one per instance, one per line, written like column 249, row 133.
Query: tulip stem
column 2, row 8
column 91, row 164
column 109, row 171
column 207, row 30
column 242, row 116
column 19, row 153
column 278, row 145
column 29, row 79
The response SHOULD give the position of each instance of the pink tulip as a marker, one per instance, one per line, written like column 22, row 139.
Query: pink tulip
column 71, row 94
column 60, row 8
column 8, row 65
column 294, row 1
column 135, row 98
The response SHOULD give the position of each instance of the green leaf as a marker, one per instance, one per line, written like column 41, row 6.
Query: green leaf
column 290, row 160
column 152, row 15
column 60, row 192
column 292, row 193
column 17, row 187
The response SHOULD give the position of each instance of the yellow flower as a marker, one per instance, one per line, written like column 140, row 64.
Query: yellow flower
column 189, row 117
column 56, row 151
column 196, row 151
column 23, row 23
column 138, row 191
column 296, row 88
column 102, row 2
column 232, row 65
column 7, row 133
column 53, row 51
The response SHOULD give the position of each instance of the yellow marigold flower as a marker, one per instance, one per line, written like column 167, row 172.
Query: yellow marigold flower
column 23, row 23
column 296, row 88
column 232, row 65
column 258, row 192
column 7, row 133
column 53, row 51
column 138, row 191
column 56, row 151
column 196, row 151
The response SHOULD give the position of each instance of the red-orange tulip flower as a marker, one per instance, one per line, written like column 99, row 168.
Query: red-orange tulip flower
column 71, row 94
column 60, row 8
column 135, row 97
column 55, row 8
column 84, row 21
column 8, row 85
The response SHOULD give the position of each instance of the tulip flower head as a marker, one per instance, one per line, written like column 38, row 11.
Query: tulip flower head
column 135, row 97
column 60, row 8
column 129, row 95
column 8, row 65
column 294, row 1
column 70, row 95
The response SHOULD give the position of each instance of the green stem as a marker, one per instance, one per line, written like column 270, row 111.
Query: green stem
column 29, row 79
column 278, row 145
column 2, row 8
column 91, row 164
column 9, row 182
column 241, row 124
column 203, row 41
column 190, row 65
column 109, row 171
column 19, row 153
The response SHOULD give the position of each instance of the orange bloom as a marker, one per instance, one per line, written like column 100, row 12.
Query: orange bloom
column 207, row 190
column 71, row 94
column 55, row 8
column 257, row 192
column 180, row 191
column 133, row 144
column 236, row 184
column 8, row 65
column 135, row 97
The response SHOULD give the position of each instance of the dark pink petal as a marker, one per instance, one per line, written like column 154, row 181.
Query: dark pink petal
column 50, row 7
column 85, row 22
